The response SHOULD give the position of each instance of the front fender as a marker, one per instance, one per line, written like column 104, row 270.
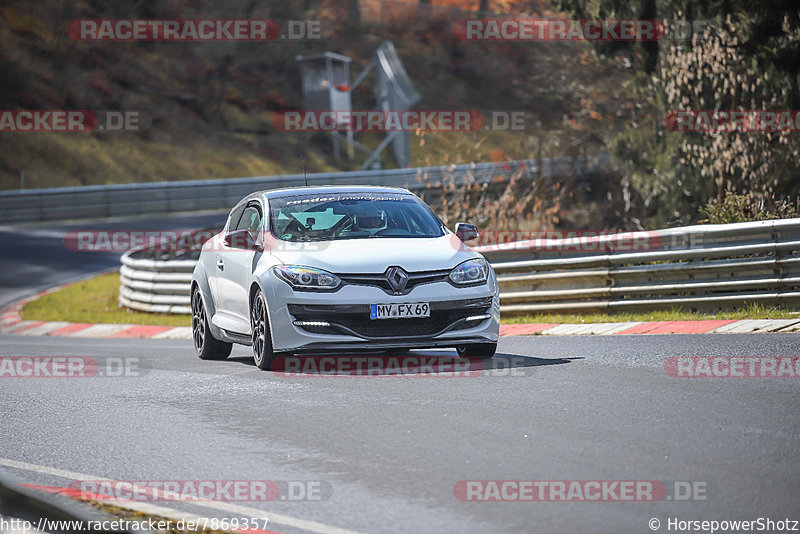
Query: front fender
column 264, row 279
column 200, row 279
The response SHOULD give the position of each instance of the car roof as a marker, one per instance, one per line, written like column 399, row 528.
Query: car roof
column 321, row 190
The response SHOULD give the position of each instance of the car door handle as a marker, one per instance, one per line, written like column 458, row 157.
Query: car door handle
column 221, row 265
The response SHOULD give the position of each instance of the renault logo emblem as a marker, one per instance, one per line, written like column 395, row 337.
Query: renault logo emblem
column 397, row 279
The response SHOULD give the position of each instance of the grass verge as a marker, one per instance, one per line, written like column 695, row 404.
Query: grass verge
column 95, row 301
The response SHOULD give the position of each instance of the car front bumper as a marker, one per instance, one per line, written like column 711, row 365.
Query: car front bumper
column 340, row 320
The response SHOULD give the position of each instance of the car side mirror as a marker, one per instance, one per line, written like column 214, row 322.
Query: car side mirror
column 241, row 239
column 466, row 232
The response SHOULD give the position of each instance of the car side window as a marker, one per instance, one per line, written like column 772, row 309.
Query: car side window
column 236, row 215
column 251, row 220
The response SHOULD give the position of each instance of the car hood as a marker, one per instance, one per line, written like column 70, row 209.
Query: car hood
column 375, row 255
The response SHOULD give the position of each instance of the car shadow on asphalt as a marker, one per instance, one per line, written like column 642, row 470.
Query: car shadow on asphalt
column 403, row 363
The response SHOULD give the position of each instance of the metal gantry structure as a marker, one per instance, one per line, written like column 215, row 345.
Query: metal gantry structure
column 326, row 87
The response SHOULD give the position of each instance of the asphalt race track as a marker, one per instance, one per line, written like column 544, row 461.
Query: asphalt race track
column 35, row 257
column 390, row 450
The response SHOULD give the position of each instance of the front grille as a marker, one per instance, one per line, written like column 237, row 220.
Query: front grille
column 354, row 319
column 379, row 280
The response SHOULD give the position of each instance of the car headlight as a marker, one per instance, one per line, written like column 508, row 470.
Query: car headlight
column 307, row 278
column 473, row 271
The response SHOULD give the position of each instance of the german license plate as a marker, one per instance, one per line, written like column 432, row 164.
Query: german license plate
column 399, row 311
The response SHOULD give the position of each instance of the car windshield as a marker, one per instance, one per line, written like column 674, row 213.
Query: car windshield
column 334, row 216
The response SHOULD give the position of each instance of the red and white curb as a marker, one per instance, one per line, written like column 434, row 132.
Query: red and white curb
column 230, row 509
column 730, row 326
column 12, row 323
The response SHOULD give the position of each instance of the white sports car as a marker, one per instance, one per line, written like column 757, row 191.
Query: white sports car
column 323, row 269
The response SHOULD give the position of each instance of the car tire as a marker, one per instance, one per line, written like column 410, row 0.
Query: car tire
column 482, row 351
column 261, row 335
column 206, row 345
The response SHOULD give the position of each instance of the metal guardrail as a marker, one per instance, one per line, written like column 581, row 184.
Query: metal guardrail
column 158, row 286
column 704, row 268
column 37, row 205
